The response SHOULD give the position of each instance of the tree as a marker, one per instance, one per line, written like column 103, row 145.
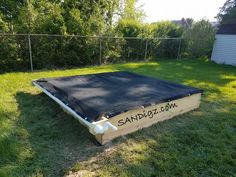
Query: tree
column 27, row 19
column 166, row 48
column 129, row 28
column 131, row 12
column 10, row 11
column 227, row 12
column 199, row 39
column 166, row 29
column 56, row 16
column 87, row 17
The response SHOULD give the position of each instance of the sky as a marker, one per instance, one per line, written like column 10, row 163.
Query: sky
column 158, row 10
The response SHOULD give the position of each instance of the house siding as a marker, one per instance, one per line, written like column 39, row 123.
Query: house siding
column 224, row 50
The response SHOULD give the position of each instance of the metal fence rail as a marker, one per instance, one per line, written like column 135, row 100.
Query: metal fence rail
column 43, row 50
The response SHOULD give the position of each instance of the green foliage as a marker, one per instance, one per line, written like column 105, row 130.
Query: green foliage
column 166, row 48
column 112, row 50
column 51, row 19
column 130, row 12
column 74, row 22
column 166, row 29
column 14, row 53
column 129, row 28
column 199, row 39
column 227, row 12
column 132, row 48
column 54, row 17
column 27, row 19
column 51, row 52
column 3, row 25
column 10, row 9
column 46, row 18
column 86, row 18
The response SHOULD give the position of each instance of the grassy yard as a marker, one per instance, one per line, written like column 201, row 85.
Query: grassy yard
column 38, row 139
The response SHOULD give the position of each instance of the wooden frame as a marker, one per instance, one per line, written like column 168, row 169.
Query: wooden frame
column 134, row 120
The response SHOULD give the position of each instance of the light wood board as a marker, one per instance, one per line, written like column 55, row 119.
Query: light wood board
column 134, row 120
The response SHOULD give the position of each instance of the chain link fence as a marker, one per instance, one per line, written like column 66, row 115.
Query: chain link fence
column 21, row 52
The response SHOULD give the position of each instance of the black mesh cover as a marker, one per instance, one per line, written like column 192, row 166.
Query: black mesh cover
column 109, row 94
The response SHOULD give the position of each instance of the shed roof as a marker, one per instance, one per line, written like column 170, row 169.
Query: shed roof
column 227, row 29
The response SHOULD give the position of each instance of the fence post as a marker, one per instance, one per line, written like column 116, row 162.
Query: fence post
column 100, row 50
column 146, row 46
column 178, row 55
column 30, row 53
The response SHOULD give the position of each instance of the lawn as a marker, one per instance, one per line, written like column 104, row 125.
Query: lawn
column 38, row 139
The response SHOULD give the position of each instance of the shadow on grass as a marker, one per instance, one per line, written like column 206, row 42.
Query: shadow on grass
column 55, row 138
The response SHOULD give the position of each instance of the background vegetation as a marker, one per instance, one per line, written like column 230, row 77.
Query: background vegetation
column 88, row 18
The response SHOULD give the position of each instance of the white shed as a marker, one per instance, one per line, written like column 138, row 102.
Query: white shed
column 224, row 50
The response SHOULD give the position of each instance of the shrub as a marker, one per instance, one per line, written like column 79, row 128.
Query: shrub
column 132, row 49
column 14, row 53
column 166, row 48
column 199, row 39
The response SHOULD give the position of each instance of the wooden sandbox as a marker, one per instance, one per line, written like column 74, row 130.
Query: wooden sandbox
column 117, row 103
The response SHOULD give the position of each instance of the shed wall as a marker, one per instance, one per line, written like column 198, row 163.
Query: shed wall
column 224, row 50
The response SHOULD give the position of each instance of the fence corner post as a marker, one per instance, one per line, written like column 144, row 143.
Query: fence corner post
column 178, row 55
column 146, row 46
column 100, row 50
column 30, row 53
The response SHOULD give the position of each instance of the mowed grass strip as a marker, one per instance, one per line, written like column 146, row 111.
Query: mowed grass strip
column 38, row 139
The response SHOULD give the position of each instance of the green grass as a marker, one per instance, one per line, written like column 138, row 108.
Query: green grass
column 38, row 139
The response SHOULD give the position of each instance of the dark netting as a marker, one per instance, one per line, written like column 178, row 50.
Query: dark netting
column 108, row 94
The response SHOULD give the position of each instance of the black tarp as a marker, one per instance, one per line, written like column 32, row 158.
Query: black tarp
column 108, row 94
